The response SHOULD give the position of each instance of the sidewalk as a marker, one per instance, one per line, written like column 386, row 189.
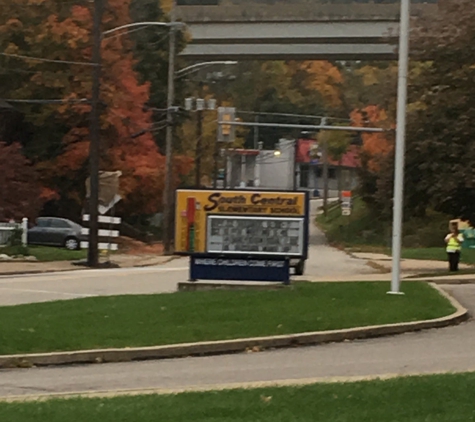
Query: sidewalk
column 408, row 266
column 123, row 260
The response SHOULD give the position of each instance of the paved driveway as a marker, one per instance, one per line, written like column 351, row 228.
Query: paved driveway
column 324, row 263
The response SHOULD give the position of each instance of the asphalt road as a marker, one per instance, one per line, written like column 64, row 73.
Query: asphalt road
column 324, row 263
column 443, row 350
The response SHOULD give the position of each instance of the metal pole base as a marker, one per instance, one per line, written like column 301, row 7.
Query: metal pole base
column 396, row 293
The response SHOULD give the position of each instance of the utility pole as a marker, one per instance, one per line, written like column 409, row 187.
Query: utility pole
column 168, row 193
column 256, row 133
column 94, row 148
column 296, row 174
column 199, row 137
column 216, row 165
column 325, row 173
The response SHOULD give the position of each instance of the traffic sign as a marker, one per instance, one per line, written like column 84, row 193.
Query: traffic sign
column 346, row 203
column 226, row 133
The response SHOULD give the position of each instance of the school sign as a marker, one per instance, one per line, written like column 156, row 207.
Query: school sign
column 244, row 224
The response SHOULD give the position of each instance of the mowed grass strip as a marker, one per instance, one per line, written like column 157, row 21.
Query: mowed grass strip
column 50, row 254
column 439, row 398
column 437, row 254
column 133, row 321
column 45, row 253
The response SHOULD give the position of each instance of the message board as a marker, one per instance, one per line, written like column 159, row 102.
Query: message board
column 255, row 235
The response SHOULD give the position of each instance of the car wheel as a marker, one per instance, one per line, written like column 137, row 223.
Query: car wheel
column 71, row 244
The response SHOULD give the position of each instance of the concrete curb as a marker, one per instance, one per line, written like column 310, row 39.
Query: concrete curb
column 36, row 272
column 76, row 268
column 232, row 346
column 190, row 286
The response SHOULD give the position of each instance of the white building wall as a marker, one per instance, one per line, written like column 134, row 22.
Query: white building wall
column 266, row 171
column 277, row 172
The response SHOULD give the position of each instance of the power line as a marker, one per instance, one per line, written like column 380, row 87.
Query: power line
column 63, row 3
column 46, row 101
column 304, row 116
column 40, row 59
column 7, row 70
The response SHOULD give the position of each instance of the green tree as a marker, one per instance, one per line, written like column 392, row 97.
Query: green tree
column 441, row 146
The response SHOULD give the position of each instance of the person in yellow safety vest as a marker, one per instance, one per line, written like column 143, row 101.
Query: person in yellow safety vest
column 454, row 242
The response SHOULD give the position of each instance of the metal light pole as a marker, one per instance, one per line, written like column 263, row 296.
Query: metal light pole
column 167, row 194
column 94, row 148
column 400, row 146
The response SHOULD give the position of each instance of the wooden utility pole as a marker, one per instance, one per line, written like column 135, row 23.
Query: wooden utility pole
column 94, row 148
column 168, row 192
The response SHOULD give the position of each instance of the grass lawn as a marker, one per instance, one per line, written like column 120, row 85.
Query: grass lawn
column 127, row 321
column 431, row 254
column 49, row 254
column 439, row 398
column 45, row 253
column 437, row 254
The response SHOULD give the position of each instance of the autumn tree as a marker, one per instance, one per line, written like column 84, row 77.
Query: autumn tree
column 20, row 193
column 62, row 31
column 375, row 158
column 306, row 88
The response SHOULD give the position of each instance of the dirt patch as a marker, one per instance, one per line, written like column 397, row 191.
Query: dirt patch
column 135, row 247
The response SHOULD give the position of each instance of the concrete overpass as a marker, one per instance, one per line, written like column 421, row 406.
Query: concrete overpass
column 295, row 31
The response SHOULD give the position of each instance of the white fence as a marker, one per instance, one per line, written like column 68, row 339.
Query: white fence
column 7, row 229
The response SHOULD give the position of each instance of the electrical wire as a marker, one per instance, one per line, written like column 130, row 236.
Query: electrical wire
column 65, row 3
column 41, row 59
column 46, row 101
column 304, row 116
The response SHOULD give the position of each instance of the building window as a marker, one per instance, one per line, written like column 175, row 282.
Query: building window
column 332, row 172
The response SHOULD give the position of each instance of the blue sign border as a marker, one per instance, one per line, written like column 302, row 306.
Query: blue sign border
column 239, row 268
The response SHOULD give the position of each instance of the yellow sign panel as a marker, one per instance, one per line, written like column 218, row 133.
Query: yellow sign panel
column 194, row 206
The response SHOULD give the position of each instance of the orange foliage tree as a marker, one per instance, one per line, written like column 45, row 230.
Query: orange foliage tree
column 376, row 145
column 64, row 33
column 20, row 193
column 375, row 156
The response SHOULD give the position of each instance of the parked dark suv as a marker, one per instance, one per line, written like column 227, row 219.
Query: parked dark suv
column 52, row 231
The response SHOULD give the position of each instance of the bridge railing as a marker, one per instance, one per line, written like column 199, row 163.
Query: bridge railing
column 298, row 10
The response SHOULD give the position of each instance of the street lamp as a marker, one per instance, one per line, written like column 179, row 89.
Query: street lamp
column 197, row 66
column 138, row 24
